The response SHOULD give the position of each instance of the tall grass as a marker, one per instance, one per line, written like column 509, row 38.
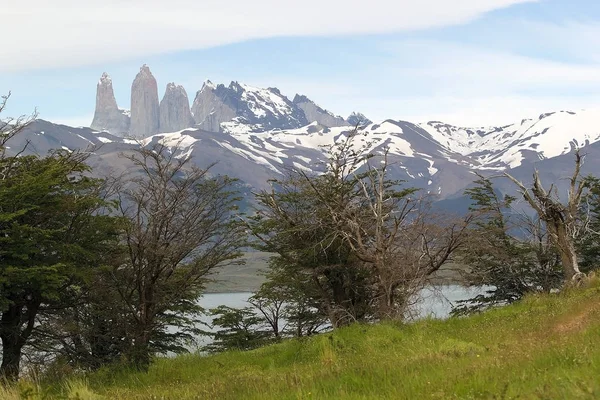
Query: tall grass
column 545, row 347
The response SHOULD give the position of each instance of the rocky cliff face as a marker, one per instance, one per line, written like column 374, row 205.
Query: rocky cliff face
column 315, row 113
column 211, row 107
column 107, row 116
column 359, row 119
column 145, row 119
column 174, row 109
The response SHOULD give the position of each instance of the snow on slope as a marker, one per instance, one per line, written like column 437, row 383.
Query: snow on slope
column 303, row 148
column 547, row 136
column 259, row 100
column 421, row 151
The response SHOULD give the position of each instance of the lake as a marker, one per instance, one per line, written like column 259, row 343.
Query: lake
column 434, row 301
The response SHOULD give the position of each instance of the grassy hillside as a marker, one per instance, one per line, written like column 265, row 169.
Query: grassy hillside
column 546, row 347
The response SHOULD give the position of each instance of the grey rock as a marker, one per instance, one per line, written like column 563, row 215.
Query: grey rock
column 107, row 116
column 359, row 119
column 211, row 107
column 258, row 109
column 175, row 112
column 314, row 113
column 145, row 119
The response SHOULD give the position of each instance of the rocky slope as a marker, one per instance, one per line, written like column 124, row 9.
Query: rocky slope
column 212, row 107
column 314, row 113
column 256, row 109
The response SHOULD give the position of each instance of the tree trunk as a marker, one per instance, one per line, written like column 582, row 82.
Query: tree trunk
column 140, row 352
column 567, row 253
column 12, row 342
column 11, row 357
column 16, row 326
column 386, row 307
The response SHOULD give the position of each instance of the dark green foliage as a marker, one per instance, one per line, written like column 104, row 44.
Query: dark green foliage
column 54, row 231
column 508, row 253
column 241, row 329
column 588, row 245
column 287, row 303
column 296, row 221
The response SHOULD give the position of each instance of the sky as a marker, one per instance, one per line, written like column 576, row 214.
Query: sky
column 465, row 62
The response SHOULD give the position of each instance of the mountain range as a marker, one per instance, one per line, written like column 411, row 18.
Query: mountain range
column 256, row 134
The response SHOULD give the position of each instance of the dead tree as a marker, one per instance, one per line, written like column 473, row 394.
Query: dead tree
column 561, row 219
column 397, row 234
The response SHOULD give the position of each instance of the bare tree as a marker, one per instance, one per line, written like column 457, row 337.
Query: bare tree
column 11, row 127
column 396, row 233
column 181, row 228
column 561, row 219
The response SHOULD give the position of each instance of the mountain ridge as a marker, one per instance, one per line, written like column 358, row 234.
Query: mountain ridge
column 256, row 134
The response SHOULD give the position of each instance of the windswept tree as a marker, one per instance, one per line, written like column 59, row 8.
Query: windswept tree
column 397, row 235
column 54, row 230
column 561, row 217
column 181, row 227
column 509, row 253
column 295, row 221
column 588, row 244
column 365, row 242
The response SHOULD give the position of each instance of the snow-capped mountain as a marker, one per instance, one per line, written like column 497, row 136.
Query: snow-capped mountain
column 239, row 104
column 437, row 157
column 256, row 134
column 529, row 140
column 215, row 107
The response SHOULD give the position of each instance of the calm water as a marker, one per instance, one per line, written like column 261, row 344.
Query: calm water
column 436, row 302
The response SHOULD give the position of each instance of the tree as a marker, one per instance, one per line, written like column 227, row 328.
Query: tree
column 181, row 227
column 397, row 236
column 562, row 220
column 294, row 220
column 53, row 231
column 11, row 127
column 241, row 329
column 509, row 254
column 588, row 244
column 287, row 303
column 363, row 243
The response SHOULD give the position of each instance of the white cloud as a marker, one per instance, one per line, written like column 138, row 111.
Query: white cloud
column 458, row 67
column 455, row 83
column 41, row 34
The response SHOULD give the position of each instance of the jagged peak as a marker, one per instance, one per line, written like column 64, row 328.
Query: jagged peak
column 358, row 118
column 172, row 87
column 208, row 85
column 105, row 79
column 237, row 87
column 145, row 71
column 300, row 98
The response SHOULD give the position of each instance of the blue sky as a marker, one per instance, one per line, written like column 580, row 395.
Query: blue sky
column 467, row 62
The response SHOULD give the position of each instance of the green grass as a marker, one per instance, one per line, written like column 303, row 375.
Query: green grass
column 546, row 347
